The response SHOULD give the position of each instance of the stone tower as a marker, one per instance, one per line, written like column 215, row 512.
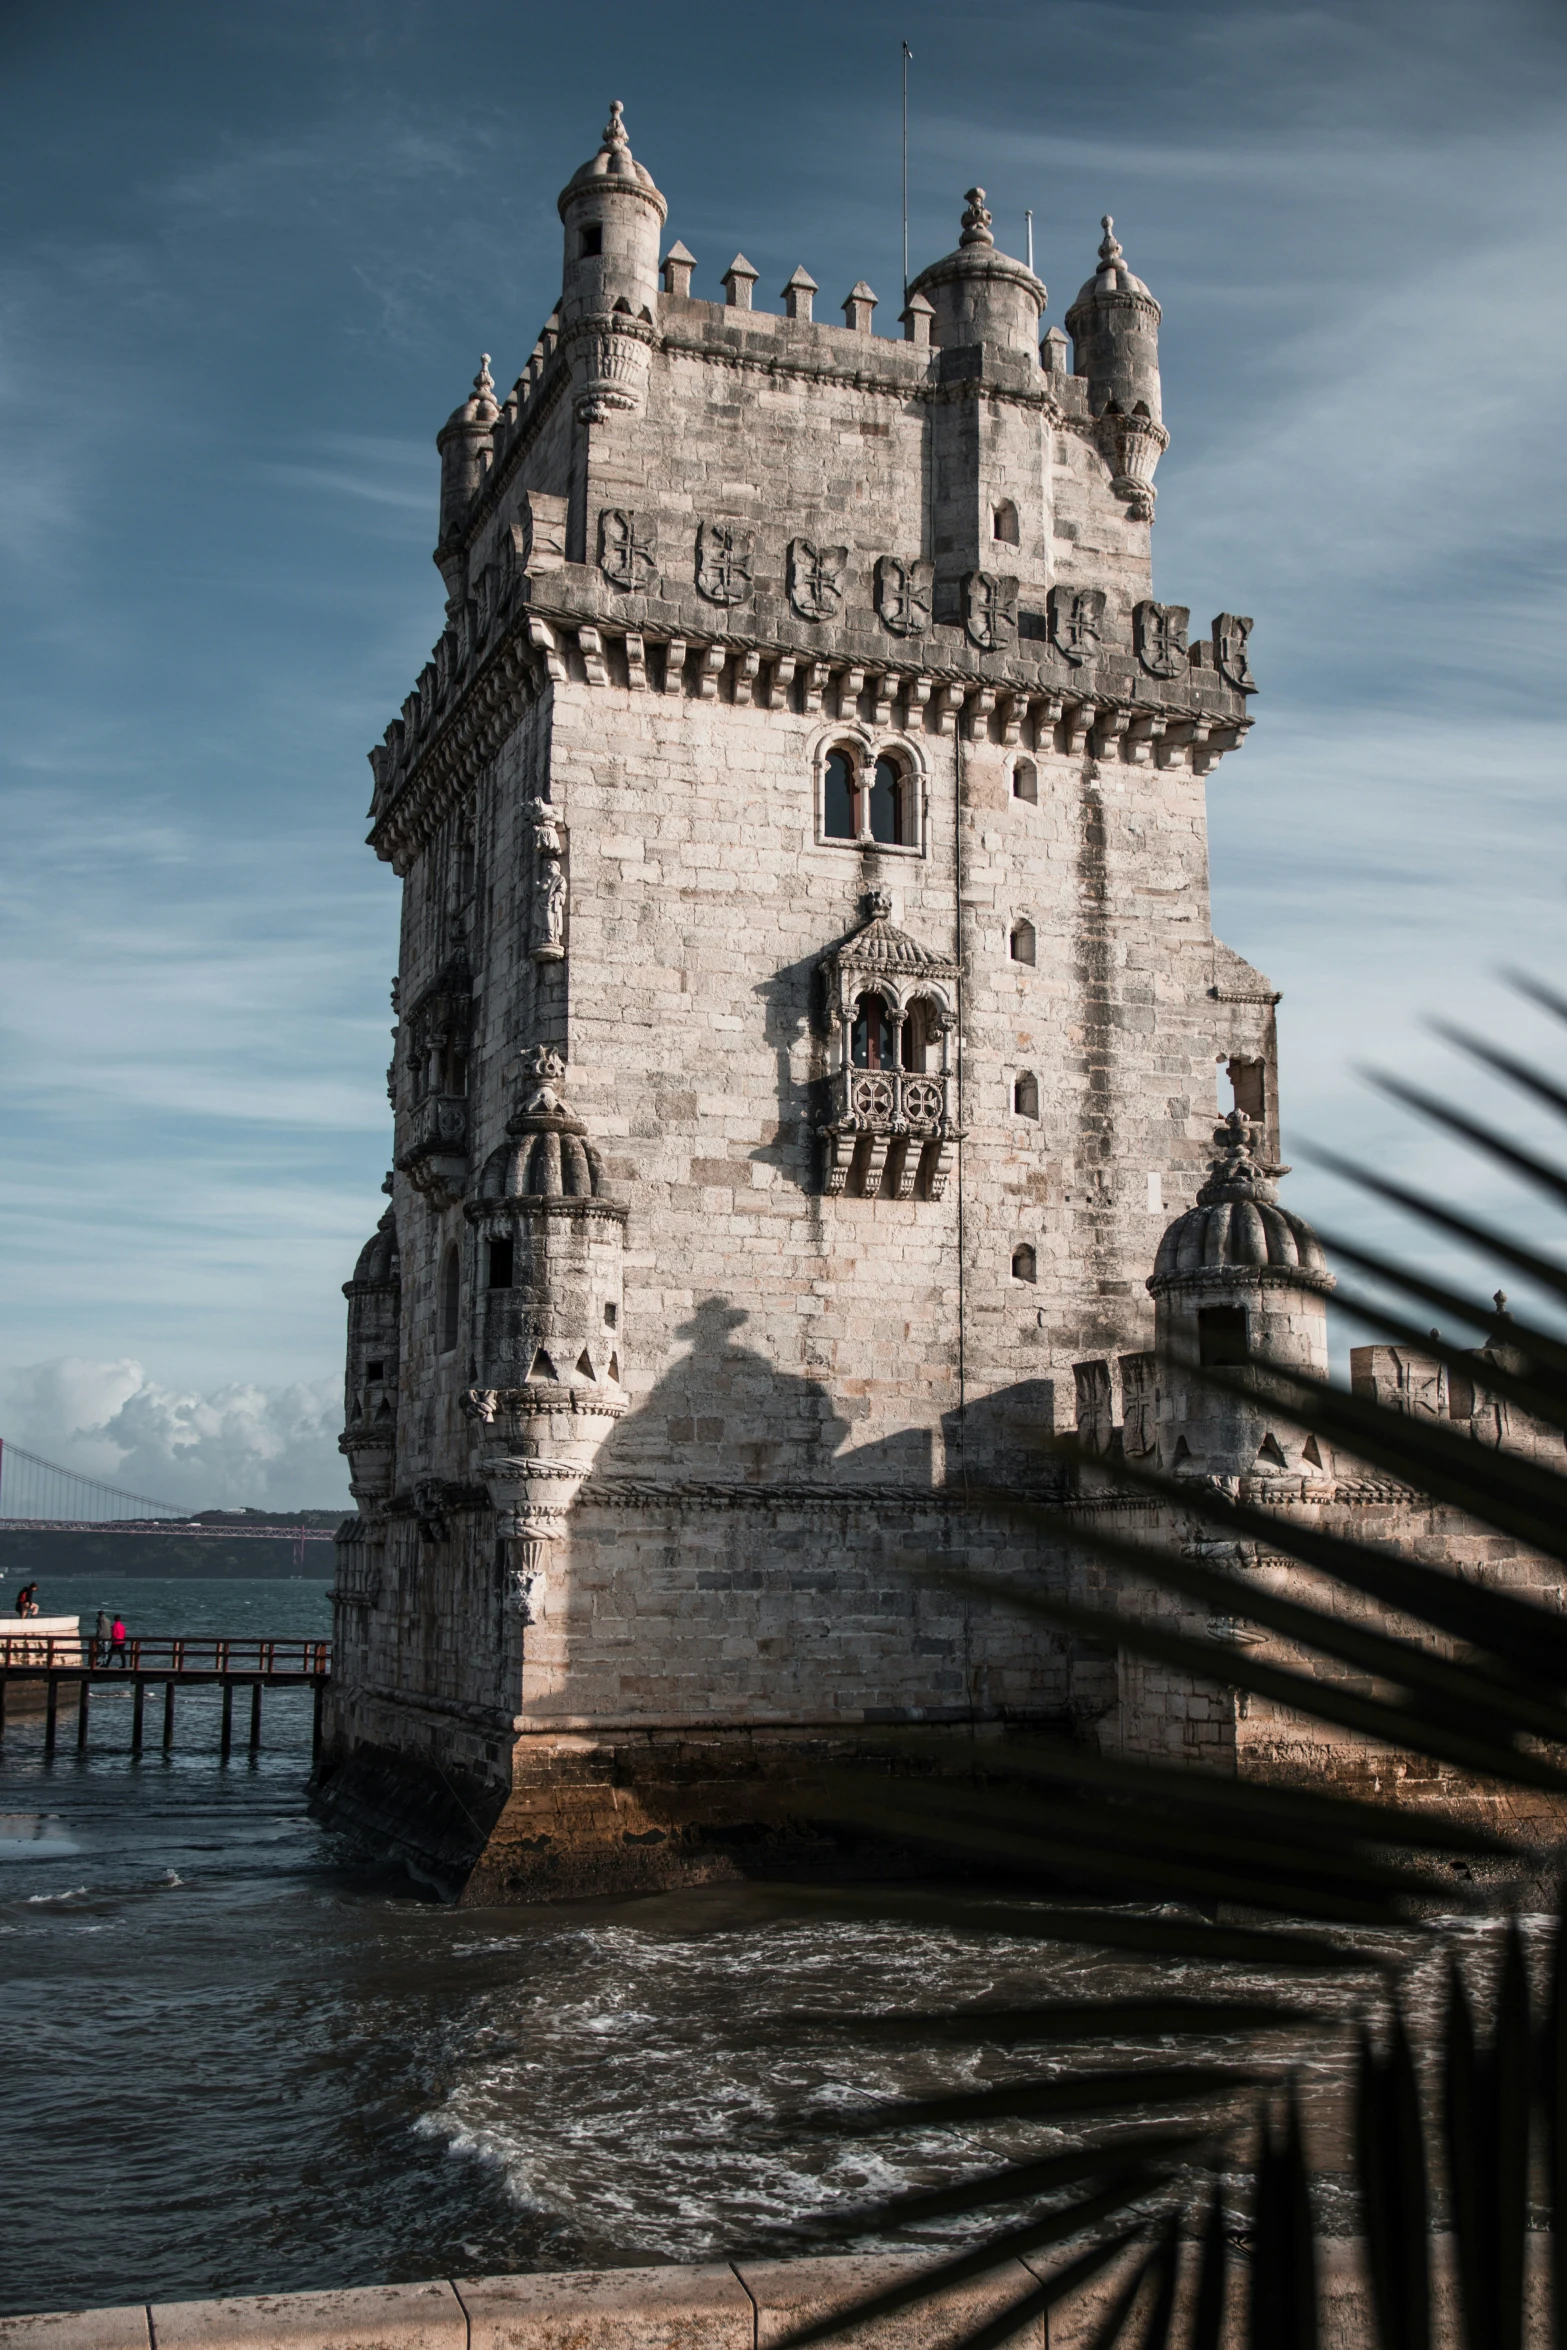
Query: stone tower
column 807, row 1018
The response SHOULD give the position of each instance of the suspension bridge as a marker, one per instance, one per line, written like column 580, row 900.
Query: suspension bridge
column 42, row 1497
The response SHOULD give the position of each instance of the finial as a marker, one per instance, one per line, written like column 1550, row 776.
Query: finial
column 541, row 1061
column 1109, row 250
column 976, row 220
column 484, row 382
column 877, row 904
column 615, row 128
column 1500, row 1301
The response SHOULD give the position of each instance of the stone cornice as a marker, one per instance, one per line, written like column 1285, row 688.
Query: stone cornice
column 563, row 621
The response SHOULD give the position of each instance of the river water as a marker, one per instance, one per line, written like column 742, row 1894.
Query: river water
column 237, row 2060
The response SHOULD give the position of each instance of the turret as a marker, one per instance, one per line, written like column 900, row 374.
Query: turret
column 466, row 445
column 1238, row 1280
column 369, row 1436
column 980, row 295
column 548, row 1247
column 612, row 215
column 1114, row 326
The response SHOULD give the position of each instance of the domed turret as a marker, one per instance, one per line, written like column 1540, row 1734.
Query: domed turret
column 1114, row 326
column 547, row 1156
column 369, row 1437
column 466, row 447
column 612, row 215
column 980, row 295
column 1237, row 1280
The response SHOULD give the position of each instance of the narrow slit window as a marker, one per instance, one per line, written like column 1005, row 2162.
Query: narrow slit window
column 1003, row 524
column 450, row 1297
column 1025, row 1265
column 1025, row 781
column 610, row 1317
column 501, row 1256
column 592, row 241
column 1021, row 943
column 376, row 1370
column 1025, row 1095
column 840, row 818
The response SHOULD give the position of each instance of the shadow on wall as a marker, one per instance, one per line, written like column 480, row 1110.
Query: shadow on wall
column 724, row 1412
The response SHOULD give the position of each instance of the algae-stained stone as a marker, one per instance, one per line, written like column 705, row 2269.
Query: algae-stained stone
column 610, row 2309
column 78, row 2329
column 362, row 2317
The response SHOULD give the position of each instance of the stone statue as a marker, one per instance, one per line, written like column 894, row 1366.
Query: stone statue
column 549, row 911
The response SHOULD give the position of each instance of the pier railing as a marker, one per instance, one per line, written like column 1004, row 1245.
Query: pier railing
column 44, row 1649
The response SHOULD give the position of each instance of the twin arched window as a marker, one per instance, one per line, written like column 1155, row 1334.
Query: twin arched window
column 870, row 805
column 874, row 1042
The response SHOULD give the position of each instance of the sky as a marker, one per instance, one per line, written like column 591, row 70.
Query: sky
column 249, row 259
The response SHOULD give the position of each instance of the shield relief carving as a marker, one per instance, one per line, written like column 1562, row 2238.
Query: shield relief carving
column 627, row 551
column 1230, row 637
column 724, row 556
column 903, row 594
column 816, row 576
column 1159, row 636
column 1077, row 618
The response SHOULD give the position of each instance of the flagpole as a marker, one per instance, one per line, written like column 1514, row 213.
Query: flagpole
column 907, row 54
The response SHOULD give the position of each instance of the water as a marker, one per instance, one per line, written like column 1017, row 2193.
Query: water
column 236, row 2060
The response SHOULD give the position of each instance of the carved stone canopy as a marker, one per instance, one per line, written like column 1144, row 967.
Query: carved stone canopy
column 881, row 957
column 547, row 1155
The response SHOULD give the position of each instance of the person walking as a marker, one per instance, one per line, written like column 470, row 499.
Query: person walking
column 102, row 1637
column 117, row 1639
column 27, row 1600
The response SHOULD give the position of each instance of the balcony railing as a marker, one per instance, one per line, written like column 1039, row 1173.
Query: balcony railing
column 892, row 1123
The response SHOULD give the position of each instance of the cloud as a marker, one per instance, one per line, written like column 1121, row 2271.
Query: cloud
column 236, row 1446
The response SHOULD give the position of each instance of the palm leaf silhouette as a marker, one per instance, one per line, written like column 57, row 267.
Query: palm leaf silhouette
column 1166, row 1866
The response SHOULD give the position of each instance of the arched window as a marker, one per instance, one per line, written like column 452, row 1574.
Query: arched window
column 870, row 1039
column 1025, row 781
column 840, row 816
column 1024, row 1264
column 1022, row 942
column 1003, row 523
column 451, row 1292
column 1025, row 1095
column 888, row 817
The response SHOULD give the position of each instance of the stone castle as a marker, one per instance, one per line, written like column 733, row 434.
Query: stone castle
column 804, row 1076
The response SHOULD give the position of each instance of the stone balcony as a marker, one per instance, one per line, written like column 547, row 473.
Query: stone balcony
column 435, row 1155
column 892, row 1125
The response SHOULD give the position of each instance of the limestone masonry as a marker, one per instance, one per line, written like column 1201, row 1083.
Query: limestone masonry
column 804, row 1071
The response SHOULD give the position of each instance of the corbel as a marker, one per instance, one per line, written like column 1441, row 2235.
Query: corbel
column 814, row 674
column 636, row 661
column 1079, row 721
column 840, row 1143
column 591, row 645
column 978, row 712
column 1109, row 728
column 542, row 638
column 938, row 1157
column 851, row 684
column 775, row 693
column 871, row 1182
column 1144, row 729
column 883, row 686
column 747, row 670
column 916, row 692
column 945, row 704
column 1220, row 740
column 675, row 665
column 905, row 1168
column 710, row 671
column 1172, row 748
column 1013, row 707
column 1044, row 716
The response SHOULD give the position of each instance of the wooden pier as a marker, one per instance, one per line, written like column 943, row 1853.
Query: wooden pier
column 66, row 1661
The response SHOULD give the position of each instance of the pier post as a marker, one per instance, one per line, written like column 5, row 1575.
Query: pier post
column 315, row 1725
column 168, row 1715
column 255, row 1717
column 136, row 1716
column 228, row 1721
column 4, row 1680
column 82, row 1688
column 52, row 1713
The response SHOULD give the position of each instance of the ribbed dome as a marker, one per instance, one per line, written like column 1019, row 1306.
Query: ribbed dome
column 1238, row 1225
column 547, row 1156
column 378, row 1260
column 1112, row 275
column 614, row 161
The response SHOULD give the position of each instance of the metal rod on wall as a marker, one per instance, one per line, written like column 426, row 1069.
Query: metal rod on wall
column 907, row 54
